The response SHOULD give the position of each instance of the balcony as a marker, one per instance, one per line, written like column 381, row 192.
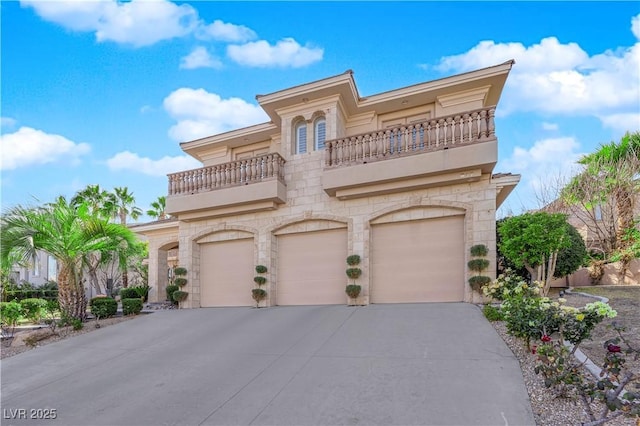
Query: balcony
column 441, row 151
column 240, row 186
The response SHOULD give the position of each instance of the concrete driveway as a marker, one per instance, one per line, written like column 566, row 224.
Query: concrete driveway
column 436, row 364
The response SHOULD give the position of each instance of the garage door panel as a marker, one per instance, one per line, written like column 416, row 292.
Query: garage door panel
column 226, row 273
column 311, row 268
column 418, row 261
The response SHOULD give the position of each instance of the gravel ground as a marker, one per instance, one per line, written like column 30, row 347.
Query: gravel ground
column 17, row 344
column 548, row 409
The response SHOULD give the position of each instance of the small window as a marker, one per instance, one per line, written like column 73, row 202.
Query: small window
column 320, row 133
column 598, row 212
column 36, row 266
column 301, row 138
column 52, row 266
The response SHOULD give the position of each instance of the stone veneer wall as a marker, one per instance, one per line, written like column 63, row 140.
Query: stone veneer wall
column 308, row 207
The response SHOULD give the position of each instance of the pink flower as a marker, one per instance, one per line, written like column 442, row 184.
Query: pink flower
column 546, row 338
column 613, row 348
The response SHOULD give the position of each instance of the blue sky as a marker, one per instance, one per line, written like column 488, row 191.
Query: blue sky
column 102, row 92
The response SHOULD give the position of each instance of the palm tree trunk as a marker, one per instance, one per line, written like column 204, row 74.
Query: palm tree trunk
column 71, row 293
column 624, row 221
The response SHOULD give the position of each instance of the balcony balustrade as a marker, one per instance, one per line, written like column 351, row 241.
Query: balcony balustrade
column 240, row 172
column 431, row 135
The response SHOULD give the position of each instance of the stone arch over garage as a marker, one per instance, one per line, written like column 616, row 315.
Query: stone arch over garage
column 417, row 251
column 308, row 255
column 240, row 244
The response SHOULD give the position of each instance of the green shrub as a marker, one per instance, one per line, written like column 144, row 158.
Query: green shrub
column 180, row 281
column 131, row 306
column 261, row 269
column 353, row 260
column 492, row 313
column 354, row 273
column 170, row 290
column 128, row 293
column 478, row 281
column 478, row 265
column 479, row 250
column 77, row 324
column 179, row 296
column 259, row 280
column 103, row 307
column 142, row 291
column 353, row 290
column 258, row 295
column 10, row 314
column 33, row 309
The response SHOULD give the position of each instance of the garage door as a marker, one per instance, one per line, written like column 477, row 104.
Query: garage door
column 418, row 261
column 311, row 268
column 226, row 273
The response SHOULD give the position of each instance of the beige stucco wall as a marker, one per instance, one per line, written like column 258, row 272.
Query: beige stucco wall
column 309, row 207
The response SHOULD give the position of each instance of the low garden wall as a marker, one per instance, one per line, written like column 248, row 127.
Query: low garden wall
column 612, row 276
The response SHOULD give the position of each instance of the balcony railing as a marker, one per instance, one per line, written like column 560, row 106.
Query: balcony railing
column 239, row 172
column 430, row 135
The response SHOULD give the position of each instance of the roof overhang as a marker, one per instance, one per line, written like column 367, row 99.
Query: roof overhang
column 505, row 183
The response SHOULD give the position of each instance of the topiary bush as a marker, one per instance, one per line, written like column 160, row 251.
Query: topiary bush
column 478, row 265
column 259, row 280
column 179, row 296
column 180, row 271
column 170, row 290
column 180, row 281
column 478, row 281
column 33, row 309
column 353, row 291
column 103, row 307
column 479, row 250
column 353, row 260
column 131, row 306
column 354, row 273
column 258, row 295
column 261, row 269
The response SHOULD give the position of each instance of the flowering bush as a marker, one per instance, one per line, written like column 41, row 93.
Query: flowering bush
column 509, row 284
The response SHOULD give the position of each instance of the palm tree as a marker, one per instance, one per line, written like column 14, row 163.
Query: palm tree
column 614, row 171
column 96, row 198
column 69, row 234
column 158, row 208
column 123, row 205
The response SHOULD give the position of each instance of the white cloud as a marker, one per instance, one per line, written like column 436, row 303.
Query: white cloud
column 222, row 31
column 133, row 162
column 200, row 113
column 553, row 157
column 7, row 122
column 138, row 22
column 549, row 126
column 199, row 58
column 286, row 53
column 622, row 122
column 635, row 26
column 29, row 146
column 558, row 78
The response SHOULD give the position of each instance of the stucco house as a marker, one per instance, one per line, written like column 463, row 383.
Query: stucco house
column 402, row 178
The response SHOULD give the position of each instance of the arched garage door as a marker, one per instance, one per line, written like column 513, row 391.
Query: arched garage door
column 311, row 268
column 418, row 261
column 226, row 273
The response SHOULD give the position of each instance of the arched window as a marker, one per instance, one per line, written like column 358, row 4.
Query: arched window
column 301, row 138
column 320, row 132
